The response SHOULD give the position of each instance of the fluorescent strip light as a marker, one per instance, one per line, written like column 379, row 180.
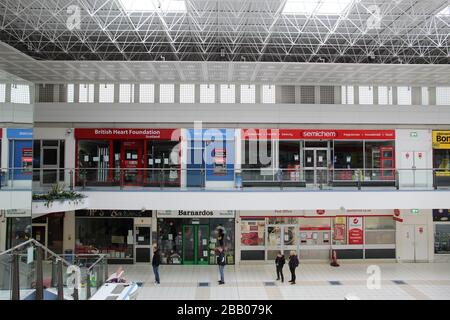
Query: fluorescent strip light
column 153, row 5
column 318, row 7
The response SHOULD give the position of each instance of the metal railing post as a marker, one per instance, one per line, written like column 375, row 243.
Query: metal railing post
column 161, row 179
column 434, row 179
column 203, row 178
column 358, row 177
column 105, row 273
column 15, row 280
column 54, row 281
column 59, row 270
column 121, row 178
column 397, row 180
column 39, row 274
column 71, row 180
column 88, row 285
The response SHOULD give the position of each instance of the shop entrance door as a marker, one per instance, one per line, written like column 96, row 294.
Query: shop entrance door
column 143, row 247
column 195, row 244
column 50, row 165
column 132, row 163
column 280, row 238
column 316, row 170
column 414, row 243
column 39, row 233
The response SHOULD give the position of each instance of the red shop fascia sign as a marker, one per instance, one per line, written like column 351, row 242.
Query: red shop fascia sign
column 316, row 134
column 127, row 134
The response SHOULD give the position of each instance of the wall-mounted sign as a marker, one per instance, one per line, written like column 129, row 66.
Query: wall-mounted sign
column 117, row 133
column 19, row 133
column 17, row 213
column 414, row 211
column 413, row 134
column 441, row 139
column 195, row 214
column 355, row 230
column 316, row 134
column 114, row 213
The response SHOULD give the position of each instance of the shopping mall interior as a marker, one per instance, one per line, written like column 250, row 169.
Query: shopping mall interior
column 198, row 133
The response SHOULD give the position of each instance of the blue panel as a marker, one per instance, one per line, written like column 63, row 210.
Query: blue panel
column 19, row 133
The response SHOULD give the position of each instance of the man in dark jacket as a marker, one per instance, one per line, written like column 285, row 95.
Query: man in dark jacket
column 293, row 264
column 156, row 261
column 221, row 263
column 279, row 263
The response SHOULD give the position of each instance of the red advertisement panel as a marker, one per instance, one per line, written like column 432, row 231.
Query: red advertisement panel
column 1, row 132
column 317, row 134
column 355, row 230
column 130, row 133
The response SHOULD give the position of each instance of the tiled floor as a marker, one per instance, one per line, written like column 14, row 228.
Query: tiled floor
column 314, row 281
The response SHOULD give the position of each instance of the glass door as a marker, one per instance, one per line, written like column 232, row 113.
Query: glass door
column 280, row 238
column 195, row 244
column 316, row 166
column 50, row 165
column 143, row 248
column 132, row 162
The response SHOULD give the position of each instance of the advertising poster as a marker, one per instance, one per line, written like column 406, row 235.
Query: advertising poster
column 339, row 229
column 355, row 230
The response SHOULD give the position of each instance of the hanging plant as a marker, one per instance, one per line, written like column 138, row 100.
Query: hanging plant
column 57, row 193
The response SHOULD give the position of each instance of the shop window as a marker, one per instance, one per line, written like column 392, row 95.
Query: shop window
column 70, row 93
column 109, row 236
column 442, row 96
column 282, row 220
column 187, row 93
column 379, row 160
column 442, row 238
column 126, row 93
column 348, row 155
column 404, row 95
column 163, row 163
column 146, row 93
column 2, row 92
column 347, row 95
column 425, row 96
column 222, row 234
column 248, row 93
column 290, row 159
column 384, row 95
column 441, row 159
column 170, row 240
column 379, row 230
column 365, row 95
column 268, row 94
column 315, row 231
column 166, row 93
column 106, row 93
column 252, row 232
column 93, row 161
column 20, row 93
column 18, row 230
column 339, row 231
column 86, row 93
column 227, row 93
column 207, row 93
column 257, row 160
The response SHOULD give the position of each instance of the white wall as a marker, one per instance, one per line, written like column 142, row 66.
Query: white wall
column 256, row 200
column 407, row 142
column 16, row 113
column 15, row 199
column 85, row 113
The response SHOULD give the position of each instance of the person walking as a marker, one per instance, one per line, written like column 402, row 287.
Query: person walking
column 279, row 263
column 156, row 261
column 221, row 263
column 293, row 264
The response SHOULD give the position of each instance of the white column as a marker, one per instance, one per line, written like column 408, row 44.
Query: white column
column 136, row 92
column 157, row 100
column 237, row 238
column 432, row 95
column 116, row 92
column 69, row 231
column 8, row 92
column 184, row 158
column 317, row 94
column 96, row 92
column 258, row 92
column 375, row 95
column 176, row 93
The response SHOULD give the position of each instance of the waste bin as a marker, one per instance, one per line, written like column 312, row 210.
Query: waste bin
column 68, row 256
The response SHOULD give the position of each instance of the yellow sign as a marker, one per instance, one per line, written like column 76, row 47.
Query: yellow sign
column 441, row 139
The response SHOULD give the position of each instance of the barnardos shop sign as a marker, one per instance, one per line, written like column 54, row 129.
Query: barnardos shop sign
column 130, row 133
column 195, row 214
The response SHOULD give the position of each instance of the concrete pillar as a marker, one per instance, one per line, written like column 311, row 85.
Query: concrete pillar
column 217, row 93
column 337, row 95
column 394, row 95
column 258, row 93
column 136, row 92
column 197, row 93
column 416, row 96
column 237, row 237
column 317, row 94
column 278, row 96
column 432, row 96
column 116, row 93
column 8, row 92
column 157, row 92
column 237, row 93
column 96, row 92
column 176, row 98
column 355, row 94
column 76, row 92
column 375, row 94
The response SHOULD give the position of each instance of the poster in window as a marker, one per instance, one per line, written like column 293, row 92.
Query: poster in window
column 339, row 229
column 27, row 159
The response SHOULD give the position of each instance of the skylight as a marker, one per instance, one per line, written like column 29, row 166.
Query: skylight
column 153, row 5
column 444, row 12
column 317, row 7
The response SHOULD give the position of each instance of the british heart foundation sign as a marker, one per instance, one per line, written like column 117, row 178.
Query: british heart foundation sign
column 355, row 230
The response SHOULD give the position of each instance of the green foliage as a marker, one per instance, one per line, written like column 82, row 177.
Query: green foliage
column 57, row 193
